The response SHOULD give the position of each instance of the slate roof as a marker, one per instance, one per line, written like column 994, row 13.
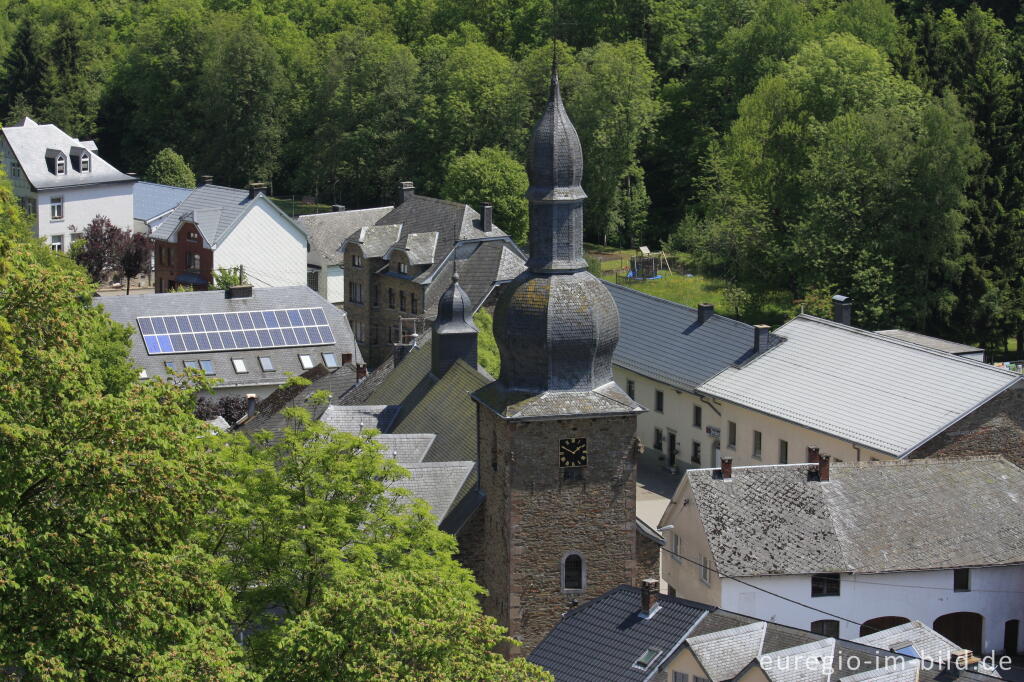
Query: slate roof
column 215, row 210
column 859, row 386
column 328, row 231
column 662, row 340
column 931, row 342
column 869, row 517
column 804, row 663
column 375, row 240
column 30, row 141
column 451, row 220
column 928, row 643
column 127, row 310
column 725, row 653
column 481, row 265
column 600, row 641
column 440, row 484
column 603, row 400
column 356, row 418
column 152, row 200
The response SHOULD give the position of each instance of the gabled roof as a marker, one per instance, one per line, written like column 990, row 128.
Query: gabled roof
column 929, row 644
column 356, row 418
column 375, row 240
column 328, row 231
column 662, row 340
column 216, row 211
column 440, row 484
column 152, row 200
column 805, row 663
column 600, row 641
column 481, row 265
column 418, row 246
column 871, row 517
column 127, row 310
column 725, row 653
column 30, row 143
column 931, row 342
column 859, row 386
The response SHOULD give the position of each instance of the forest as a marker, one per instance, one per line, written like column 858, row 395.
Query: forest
column 809, row 147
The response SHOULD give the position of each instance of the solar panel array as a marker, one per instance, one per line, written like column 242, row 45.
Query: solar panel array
column 230, row 331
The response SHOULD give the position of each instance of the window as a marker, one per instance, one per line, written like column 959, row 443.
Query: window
column 825, row 585
column 239, row 365
column 659, row 401
column 731, row 442
column 306, row 361
column 403, row 268
column 56, row 208
column 329, row 360
column 192, row 236
column 680, row 677
column 413, row 304
column 646, row 659
column 346, row 358
column 697, row 416
column 657, row 439
column 357, row 260
column 266, row 364
column 313, row 279
column 56, row 243
column 705, row 570
column 631, row 388
column 375, row 296
column 143, row 374
column 783, row 452
column 401, row 301
column 191, row 364
column 83, row 163
column 572, row 474
column 757, row 445
column 677, row 550
column 359, row 329
column 825, row 628
column 193, row 261
column 355, row 292
column 61, row 165
column 961, row 580
column 169, row 365
column 391, row 298
column 695, row 453
column 207, row 367
column 15, row 170
column 572, row 572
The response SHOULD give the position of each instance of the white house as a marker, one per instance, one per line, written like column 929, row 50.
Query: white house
column 221, row 227
column 62, row 182
column 843, row 549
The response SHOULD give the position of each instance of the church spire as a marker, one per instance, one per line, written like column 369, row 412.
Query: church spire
column 556, row 195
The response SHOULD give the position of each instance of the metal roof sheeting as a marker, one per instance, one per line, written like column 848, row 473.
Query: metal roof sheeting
column 860, row 386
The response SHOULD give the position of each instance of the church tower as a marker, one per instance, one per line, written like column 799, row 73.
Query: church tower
column 556, row 434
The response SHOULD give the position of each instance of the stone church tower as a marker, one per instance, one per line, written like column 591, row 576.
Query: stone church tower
column 556, row 434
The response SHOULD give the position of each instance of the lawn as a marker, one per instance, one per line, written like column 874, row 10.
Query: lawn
column 294, row 207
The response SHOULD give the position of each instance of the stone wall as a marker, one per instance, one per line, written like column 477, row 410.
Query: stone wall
column 995, row 428
column 648, row 557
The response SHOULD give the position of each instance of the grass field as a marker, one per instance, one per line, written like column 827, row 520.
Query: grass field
column 688, row 289
column 294, row 208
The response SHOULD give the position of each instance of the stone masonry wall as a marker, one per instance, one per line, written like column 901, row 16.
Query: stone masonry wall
column 648, row 557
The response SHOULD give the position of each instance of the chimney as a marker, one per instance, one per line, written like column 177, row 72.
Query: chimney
column 360, row 372
column 823, row 468
column 205, row 180
column 250, row 404
column 726, row 468
column 648, row 597
column 813, row 455
column 704, row 312
column 842, row 309
column 239, row 291
column 406, row 190
column 337, row 208
column 257, row 187
column 486, row 216
column 761, row 338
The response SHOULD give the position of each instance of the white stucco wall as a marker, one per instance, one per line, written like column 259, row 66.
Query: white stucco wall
column 270, row 247
column 997, row 593
column 335, row 284
column 81, row 205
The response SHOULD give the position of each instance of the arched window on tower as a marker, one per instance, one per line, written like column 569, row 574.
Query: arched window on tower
column 573, row 572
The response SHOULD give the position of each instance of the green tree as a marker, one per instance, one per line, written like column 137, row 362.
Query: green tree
column 225, row 278
column 486, row 347
column 169, row 168
column 493, row 175
column 104, row 483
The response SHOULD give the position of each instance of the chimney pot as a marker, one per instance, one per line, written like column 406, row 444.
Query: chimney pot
column 406, row 190
column 239, row 291
column 842, row 309
column 337, row 208
column 486, row 217
column 250, row 404
column 813, row 455
column 761, row 332
column 648, row 595
column 704, row 312
column 726, row 468
column 823, row 472
column 205, row 180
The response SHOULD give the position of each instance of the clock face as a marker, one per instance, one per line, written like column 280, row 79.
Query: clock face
column 572, row 452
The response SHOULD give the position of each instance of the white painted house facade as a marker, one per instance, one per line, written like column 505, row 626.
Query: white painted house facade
column 62, row 183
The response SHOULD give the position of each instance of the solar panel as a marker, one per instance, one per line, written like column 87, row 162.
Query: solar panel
column 229, row 331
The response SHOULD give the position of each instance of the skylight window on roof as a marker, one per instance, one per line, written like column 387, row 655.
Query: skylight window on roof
column 908, row 650
column 646, row 659
column 235, row 330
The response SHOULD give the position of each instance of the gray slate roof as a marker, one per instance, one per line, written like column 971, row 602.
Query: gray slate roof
column 214, row 209
column 356, row 418
column 599, row 641
column 662, row 340
column 151, row 200
column 127, row 310
column 930, row 644
column 725, row 653
column 871, row 517
column 481, row 265
column 440, row 484
column 930, row 341
column 859, row 386
column 30, row 141
column 328, row 231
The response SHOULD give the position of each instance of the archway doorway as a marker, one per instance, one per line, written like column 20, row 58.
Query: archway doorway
column 881, row 623
column 962, row 627
column 1011, row 635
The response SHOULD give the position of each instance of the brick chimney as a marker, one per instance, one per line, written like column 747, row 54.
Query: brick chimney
column 406, row 190
column 205, row 180
column 726, row 468
column 813, row 455
column 250, row 405
column 823, row 468
column 648, row 597
column 360, row 372
column 761, row 332
column 255, row 188
column 842, row 309
column 486, row 216
column 704, row 312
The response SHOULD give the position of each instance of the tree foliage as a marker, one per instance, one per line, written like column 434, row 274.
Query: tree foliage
column 107, row 250
column 494, row 175
column 168, row 167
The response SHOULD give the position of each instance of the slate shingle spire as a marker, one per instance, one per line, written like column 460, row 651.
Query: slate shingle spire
column 454, row 334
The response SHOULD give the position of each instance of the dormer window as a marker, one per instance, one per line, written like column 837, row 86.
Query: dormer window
column 80, row 160
column 61, row 164
column 56, row 162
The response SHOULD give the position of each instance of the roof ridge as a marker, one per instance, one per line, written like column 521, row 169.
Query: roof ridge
column 718, row 315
